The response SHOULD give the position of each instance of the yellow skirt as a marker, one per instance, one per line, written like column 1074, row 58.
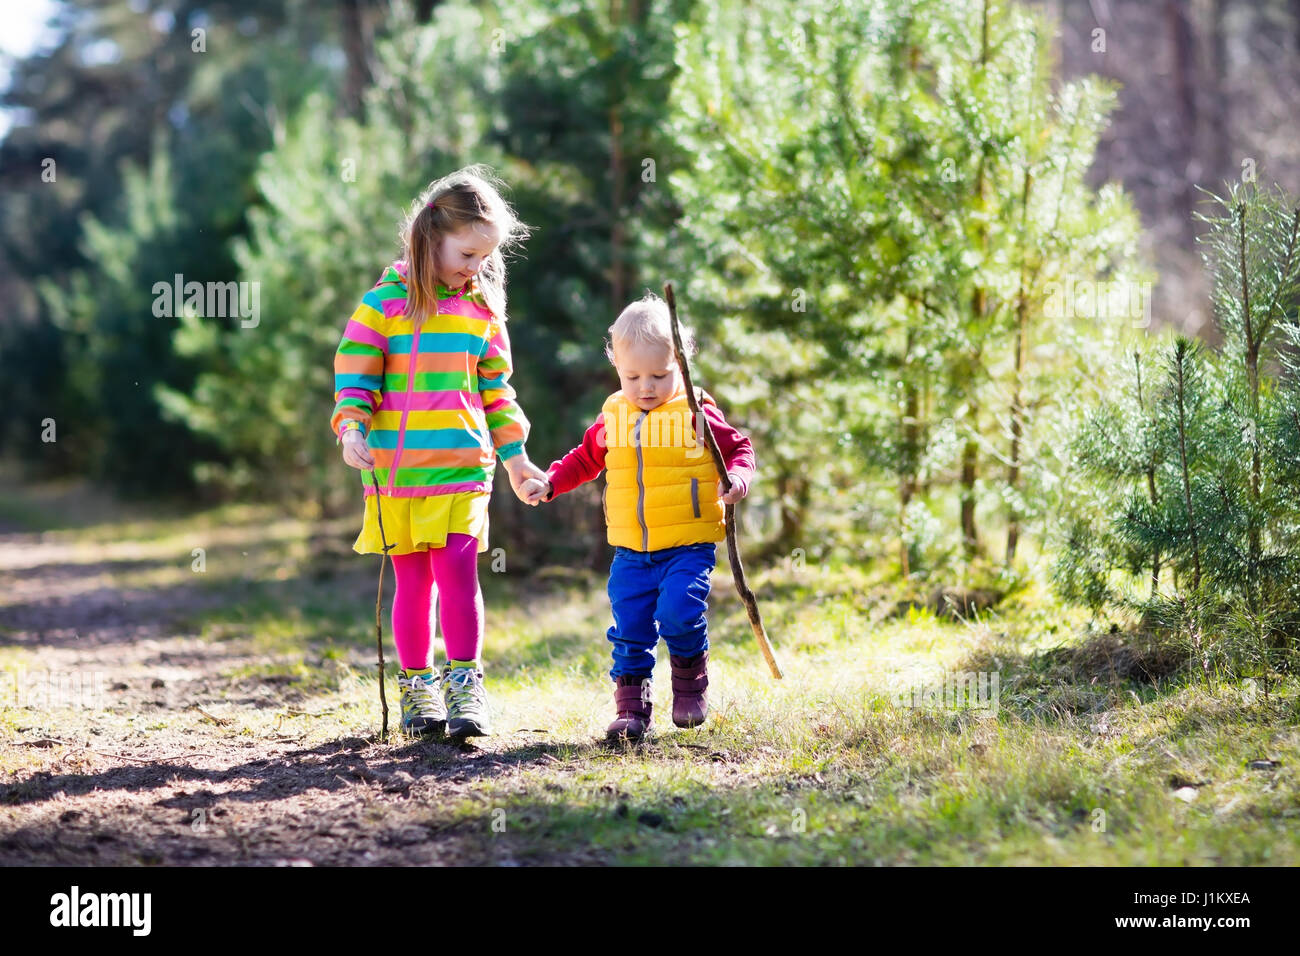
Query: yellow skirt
column 417, row 524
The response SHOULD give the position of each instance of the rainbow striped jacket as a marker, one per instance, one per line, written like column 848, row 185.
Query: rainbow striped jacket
column 435, row 405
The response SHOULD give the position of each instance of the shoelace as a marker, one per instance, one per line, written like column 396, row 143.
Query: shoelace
column 421, row 691
column 466, row 689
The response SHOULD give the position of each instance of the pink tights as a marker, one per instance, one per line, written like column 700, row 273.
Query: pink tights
column 454, row 568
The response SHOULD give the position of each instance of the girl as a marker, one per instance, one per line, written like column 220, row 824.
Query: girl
column 423, row 398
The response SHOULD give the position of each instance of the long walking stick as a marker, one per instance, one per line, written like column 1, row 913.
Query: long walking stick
column 379, row 607
column 733, row 551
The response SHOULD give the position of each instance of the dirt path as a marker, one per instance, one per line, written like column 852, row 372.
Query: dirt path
column 126, row 739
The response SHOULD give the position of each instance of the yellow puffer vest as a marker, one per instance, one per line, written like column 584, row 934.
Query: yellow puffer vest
column 661, row 487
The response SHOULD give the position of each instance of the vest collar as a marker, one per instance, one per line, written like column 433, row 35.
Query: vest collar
column 679, row 395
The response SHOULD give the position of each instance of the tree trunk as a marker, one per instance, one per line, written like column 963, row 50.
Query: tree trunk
column 596, row 557
column 1182, row 39
column 909, row 431
column 969, row 472
column 794, row 495
column 1220, row 138
column 1181, row 355
column 1017, row 409
column 357, row 38
column 617, row 279
column 927, row 413
column 979, row 304
column 1252, row 384
column 1013, row 468
column 617, row 235
column 1151, row 479
column 907, row 480
column 792, row 516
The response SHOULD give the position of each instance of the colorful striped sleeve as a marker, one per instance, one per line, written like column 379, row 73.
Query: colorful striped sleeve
column 505, row 419
column 359, row 367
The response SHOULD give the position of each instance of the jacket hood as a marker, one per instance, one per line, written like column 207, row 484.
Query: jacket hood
column 396, row 272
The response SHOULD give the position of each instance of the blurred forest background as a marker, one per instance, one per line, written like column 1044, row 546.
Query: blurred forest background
column 937, row 253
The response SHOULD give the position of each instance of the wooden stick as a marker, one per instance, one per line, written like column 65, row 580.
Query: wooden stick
column 733, row 551
column 379, row 607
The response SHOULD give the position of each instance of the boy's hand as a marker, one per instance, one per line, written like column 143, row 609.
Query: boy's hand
column 355, row 452
column 533, row 491
column 735, row 494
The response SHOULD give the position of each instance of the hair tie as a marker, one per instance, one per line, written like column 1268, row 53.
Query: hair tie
column 433, row 204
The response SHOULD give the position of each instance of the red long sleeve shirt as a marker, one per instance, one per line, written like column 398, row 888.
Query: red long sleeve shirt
column 587, row 461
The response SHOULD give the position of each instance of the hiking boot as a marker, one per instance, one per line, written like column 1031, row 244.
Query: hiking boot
column 634, row 702
column 423, row 713
column 462, row 687
column 690, row 689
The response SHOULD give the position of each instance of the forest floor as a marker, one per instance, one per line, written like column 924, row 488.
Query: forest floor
column 155, row 713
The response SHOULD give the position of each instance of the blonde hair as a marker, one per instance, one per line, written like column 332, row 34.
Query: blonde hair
column 469, row 195
column 647, row 320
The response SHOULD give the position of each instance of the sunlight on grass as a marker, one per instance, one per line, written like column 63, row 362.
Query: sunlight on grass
column 834, row 764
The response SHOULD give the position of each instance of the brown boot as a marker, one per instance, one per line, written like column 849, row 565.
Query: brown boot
column 690, row 689
column 635, row 703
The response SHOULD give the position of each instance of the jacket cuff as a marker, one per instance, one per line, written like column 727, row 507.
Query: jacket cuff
column 508, row 451
column 349, row 425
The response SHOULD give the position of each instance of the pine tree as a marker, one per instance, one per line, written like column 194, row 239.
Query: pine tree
column 149, row 156
column 1253, row 253
column 1222, row 509
column 1118, row 452
column 902, row 186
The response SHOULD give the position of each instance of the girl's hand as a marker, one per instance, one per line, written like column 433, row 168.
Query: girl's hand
column 732, row 496
column 355, row 452
column 533, row 490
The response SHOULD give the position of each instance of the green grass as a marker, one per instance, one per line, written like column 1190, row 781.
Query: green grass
column 1082, row 763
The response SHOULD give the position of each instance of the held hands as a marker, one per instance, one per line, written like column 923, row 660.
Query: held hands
column 732, row 496
column 355, row 452
column 525, row 479
column 534, row 491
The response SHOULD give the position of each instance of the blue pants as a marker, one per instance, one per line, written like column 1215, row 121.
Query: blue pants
column 656, row 594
